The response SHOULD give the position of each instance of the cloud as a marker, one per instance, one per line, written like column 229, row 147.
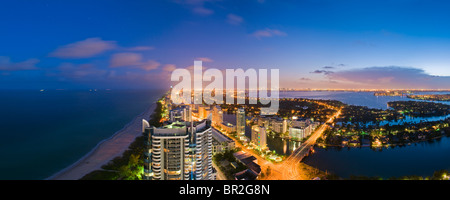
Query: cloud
column 202, row 11
column 125, row 59
column 149, row 65
column 84, row 49
column 134, row 60
column 234, row 19
column 169, row 67
column 328, row 67
column 326, row 72
column 7, row 65
column 205, row 59
column 304, row 79
column 197, row 6
column 268, row 33
column 392, row 77
column 139, row 48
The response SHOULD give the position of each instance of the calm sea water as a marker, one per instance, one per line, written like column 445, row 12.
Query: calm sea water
column 417, row 159
column 44, row 132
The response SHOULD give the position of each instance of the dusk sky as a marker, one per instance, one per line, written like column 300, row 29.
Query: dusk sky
column 345, row 44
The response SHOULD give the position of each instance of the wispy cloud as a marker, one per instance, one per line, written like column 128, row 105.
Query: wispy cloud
column 304, row 79
column 392, row 77
column 268, row 33
column 202, row 11
column 133, row 60
column 139, row 48
column 326, row 72
column 84, row 49
column 197, row 6
column 7, row 65
column 169, row 67
column 205, row 59
column 234, row 19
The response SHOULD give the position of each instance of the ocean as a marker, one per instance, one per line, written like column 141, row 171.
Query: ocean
column 44, row 132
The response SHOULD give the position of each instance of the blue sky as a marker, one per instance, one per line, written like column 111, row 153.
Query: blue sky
column 136, row 44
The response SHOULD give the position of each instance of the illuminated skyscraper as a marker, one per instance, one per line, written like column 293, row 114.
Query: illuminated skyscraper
column 240, row 123
column 259, row 136
column 181, row 113
column 217, row 116
column 178, row 151
column 166, row 152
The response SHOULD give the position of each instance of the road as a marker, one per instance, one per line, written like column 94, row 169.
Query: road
column 289, row 169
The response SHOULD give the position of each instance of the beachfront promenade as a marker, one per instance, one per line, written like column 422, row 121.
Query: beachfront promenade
column 106, row 150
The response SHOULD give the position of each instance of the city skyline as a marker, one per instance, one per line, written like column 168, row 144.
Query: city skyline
column 400, row 44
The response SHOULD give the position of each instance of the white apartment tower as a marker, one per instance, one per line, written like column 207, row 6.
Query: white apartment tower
column 178, row 151
column 166, row 152
column 181, row 113
column 259, row 136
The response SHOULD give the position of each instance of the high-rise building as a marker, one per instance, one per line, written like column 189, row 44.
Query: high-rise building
column 300, row 132
column 201, row 150
column 259, row 136
column 181, row 113
column 300, row 122
column 178, row 151
column 217, row 116
column 300, row 128
column 166, row 152
column 279, row 125
column 263, row 121
column 240, row 123
column 203, row 111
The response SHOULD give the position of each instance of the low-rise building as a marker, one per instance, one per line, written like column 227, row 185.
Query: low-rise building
column 279, row 125
column 228, row 127
column 253, row 171
column 221, row 142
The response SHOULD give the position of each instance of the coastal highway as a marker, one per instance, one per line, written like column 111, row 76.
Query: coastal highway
column 289, row 169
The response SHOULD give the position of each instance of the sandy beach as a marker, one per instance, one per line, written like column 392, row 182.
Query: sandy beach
column 106, row 150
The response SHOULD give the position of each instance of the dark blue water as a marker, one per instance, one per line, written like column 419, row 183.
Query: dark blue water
column 44, row 132
column 417, row 159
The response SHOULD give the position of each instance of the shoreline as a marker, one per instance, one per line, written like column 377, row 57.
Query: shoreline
column 105, row 150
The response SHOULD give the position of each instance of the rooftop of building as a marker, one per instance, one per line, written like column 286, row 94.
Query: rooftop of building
column 247, row 174
column 248, row 160
column 220, row 137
